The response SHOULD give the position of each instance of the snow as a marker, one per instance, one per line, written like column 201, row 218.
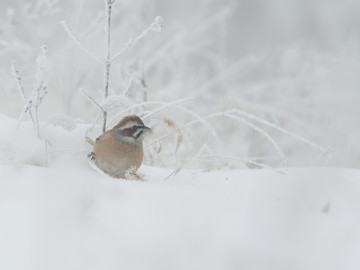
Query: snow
column 68, row 216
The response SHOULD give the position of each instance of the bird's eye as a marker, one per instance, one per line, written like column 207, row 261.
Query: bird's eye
column 135, row 128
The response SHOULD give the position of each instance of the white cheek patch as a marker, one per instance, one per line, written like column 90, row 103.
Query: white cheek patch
column 137, row 133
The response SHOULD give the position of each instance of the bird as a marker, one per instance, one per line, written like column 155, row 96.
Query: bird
column 119, row 150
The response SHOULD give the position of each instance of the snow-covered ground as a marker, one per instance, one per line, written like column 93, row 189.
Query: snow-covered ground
column 68, row 216
column 74, row 218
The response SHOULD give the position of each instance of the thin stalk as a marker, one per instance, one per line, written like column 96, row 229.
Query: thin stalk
column 37, row 126
column 107, row 63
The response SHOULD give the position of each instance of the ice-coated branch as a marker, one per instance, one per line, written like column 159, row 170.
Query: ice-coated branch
column 155, row 26
column 82, row 91
column 78, row 42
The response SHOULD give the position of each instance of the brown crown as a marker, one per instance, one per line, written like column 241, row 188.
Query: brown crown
column 128, row 118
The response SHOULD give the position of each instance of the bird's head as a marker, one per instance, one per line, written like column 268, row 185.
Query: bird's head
column 131, row 129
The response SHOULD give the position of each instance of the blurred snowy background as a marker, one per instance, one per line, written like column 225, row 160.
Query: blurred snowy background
column 293, row 63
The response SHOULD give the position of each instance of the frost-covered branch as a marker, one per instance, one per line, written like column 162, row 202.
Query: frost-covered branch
column 78, row 42
column 26, row 109
column 155, row 26
column 82, row 91
column 107, row 63
column 31, row 105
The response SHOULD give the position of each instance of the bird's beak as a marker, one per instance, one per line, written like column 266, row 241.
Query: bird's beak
column 146, row 129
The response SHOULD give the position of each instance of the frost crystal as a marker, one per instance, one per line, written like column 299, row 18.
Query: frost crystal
column 157, row 26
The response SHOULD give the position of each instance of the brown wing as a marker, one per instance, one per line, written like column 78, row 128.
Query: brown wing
column 104, row 137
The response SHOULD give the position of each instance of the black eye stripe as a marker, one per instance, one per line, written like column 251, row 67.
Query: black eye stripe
column 137, row 136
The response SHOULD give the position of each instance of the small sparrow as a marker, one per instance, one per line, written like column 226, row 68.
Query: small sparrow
column 120, row 150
